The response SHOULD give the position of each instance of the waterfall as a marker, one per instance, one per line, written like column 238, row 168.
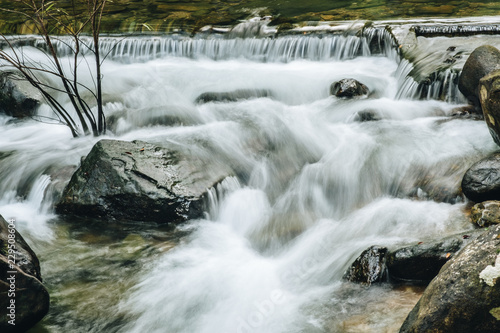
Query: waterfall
column 311, row 184
column 442, row 85
column 283, row 49
column 369, row 41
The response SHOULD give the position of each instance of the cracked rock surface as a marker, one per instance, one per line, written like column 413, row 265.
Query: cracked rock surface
column 139, row 181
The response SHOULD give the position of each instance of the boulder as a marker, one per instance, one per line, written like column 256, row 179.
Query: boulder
column 481, row 182
column 139, row 181
column 18, row 98
column 348, row 88
column 232, row 96
column 486, row 213
column 369, row 267
column 482, row 61
column 23, row 298
column 465, row 296
column 489, row 96
column 421, row 262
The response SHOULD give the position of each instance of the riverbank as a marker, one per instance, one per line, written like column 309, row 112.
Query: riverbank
column 190, row 16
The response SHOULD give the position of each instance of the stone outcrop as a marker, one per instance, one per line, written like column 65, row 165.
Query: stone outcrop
column 232, row 96
column 486, row 213
column 482, row 61
column 481, row 182
column 138, row 181
column 24, row 300
column 348, row 88
column 465, row 296
column 489, row 96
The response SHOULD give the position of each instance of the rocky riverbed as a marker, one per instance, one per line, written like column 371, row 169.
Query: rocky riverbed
column 243, row 177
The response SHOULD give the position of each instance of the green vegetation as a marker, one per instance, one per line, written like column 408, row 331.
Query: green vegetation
column 43, row 18
column 167, row 15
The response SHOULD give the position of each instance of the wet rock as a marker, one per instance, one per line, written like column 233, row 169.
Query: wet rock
column 467, row 112
column 348, row 88
column 486, row 213
column 366, row 115
column 26, row 259
column 465, row 296
column 489, row 95
column 20, row 281
column 369, row 267
column 138, row 181
column 482, row 61
column 421, row 262
column 481, row 181
column 18, row 98
column 232, row 96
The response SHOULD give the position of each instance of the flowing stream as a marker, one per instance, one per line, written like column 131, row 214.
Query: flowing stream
column 314, row 188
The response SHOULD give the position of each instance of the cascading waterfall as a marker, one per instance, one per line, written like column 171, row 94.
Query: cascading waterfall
column 323, row 47
column 312, row 187
column 283, row 49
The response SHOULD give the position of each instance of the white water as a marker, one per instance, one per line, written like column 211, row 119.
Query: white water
column 314, row 189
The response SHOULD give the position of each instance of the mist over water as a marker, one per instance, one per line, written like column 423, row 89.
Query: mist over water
column 312, row 188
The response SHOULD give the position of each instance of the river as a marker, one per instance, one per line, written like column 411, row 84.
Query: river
column 315, row 188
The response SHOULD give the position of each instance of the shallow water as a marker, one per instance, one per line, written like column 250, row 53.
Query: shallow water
column 313, row 188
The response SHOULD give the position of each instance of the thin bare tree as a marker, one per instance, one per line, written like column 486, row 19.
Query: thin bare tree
column 51, row 23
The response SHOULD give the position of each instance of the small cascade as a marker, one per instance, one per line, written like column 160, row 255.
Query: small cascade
column 283, row 49
column 382, row 42
column 441, row 85
column 37, row 193
column 217, row 194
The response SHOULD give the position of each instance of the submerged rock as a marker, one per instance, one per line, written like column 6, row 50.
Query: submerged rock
column 489, row 96
column 482, row 61
column 232, row 96
column 486, row 213
column 369, row 267
column 138, row 181
column 366, row 115
column 465, row 296
column 348, row 88
column 481, row 181
column 18, row 98
column 21, row 290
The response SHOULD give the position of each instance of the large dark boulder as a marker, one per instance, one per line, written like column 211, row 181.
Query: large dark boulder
column 481, row 182
column 18, row 98
column 348, row 88
column 412, row 264
column 24, row 300
column 420, row 263
column 138, row 181
column 369, row 267
column 489, row 96
column 465, row 296
column 232, row 96
column 482, row 61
